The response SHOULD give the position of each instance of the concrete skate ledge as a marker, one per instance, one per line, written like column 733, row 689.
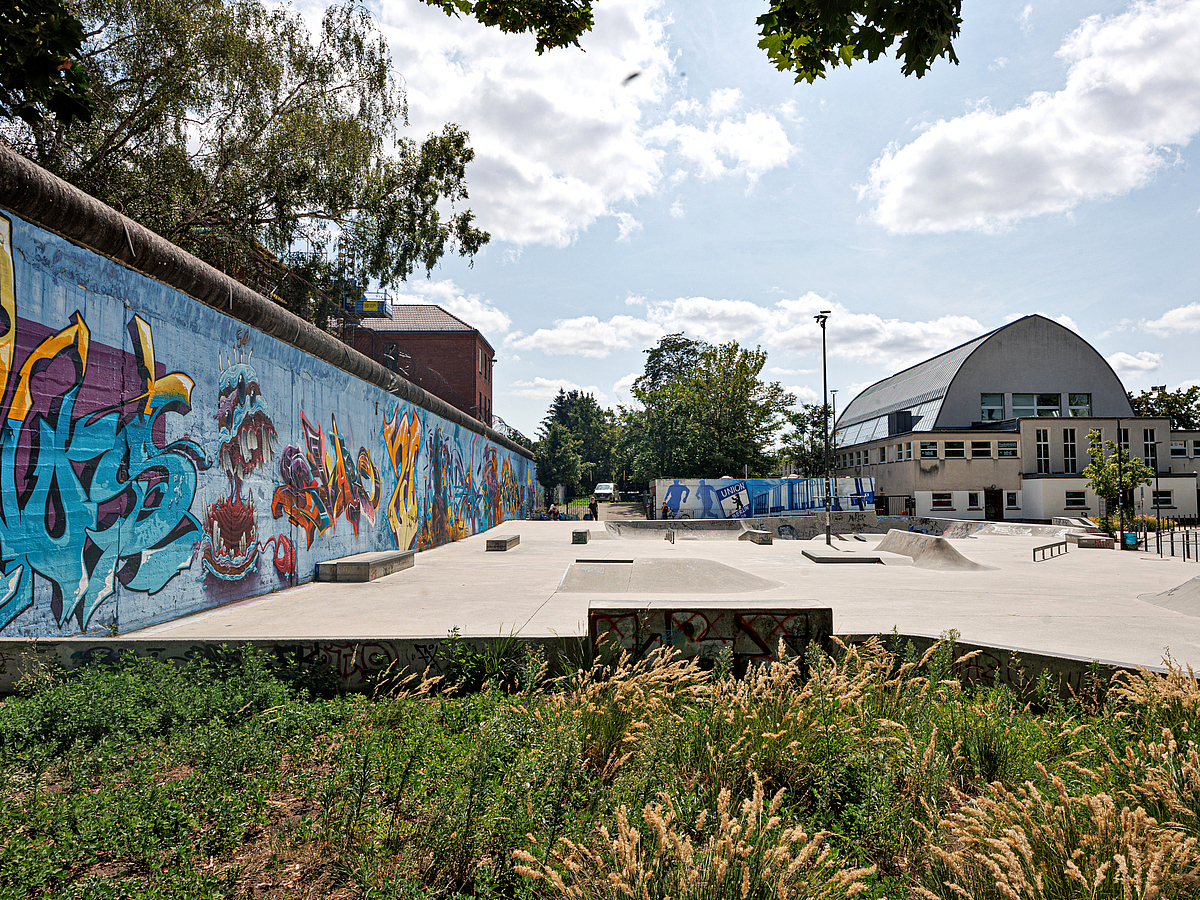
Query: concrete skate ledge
column 362, row 567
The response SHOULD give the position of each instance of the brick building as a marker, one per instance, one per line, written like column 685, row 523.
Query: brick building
column 435, row 350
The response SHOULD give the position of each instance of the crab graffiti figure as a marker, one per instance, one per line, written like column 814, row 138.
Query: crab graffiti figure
column 247, row 438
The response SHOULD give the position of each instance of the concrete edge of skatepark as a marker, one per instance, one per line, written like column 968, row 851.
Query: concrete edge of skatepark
column 357, row 664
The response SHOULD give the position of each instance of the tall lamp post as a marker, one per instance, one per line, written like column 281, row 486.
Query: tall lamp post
column 1157, row 501
column 1120, row 490
column 821, row 318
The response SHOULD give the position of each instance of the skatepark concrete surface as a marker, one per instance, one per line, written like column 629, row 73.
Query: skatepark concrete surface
column 1097, row 604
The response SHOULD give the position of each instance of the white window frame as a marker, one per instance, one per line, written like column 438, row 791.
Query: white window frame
column 1042, row 446
column 1079, row 410
column 947, row 503
column 981, row 449
column 1070, row 452
column 1006, row 449
column 985, row 409
column 929, row 449
column 1163, row 498
column 955, row 449
column 1079, row 496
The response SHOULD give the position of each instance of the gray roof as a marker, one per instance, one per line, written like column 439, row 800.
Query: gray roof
column 920, row 389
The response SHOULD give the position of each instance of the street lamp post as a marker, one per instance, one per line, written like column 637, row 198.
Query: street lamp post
column 821, row 318
column 1120, row 491
column 1157, row 500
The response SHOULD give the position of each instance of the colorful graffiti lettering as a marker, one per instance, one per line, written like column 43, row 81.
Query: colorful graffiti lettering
column 231, row 548
column 89, row 499
column 324, row 484
column 402, row 442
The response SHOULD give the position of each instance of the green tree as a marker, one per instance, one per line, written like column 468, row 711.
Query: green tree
column 228, row 128
column 703, row 411
column 1181, row 406
column 40, row 69
column 557, row 457
column 1114, row 472
column 592, row 427
column 803, row 446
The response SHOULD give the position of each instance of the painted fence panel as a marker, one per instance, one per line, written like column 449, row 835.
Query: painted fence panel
column 728, row 498
column 158, row 458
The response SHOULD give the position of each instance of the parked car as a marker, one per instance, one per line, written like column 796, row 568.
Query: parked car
column 606, row 491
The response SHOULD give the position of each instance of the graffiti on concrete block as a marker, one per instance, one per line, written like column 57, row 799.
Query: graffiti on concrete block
column 750, row 635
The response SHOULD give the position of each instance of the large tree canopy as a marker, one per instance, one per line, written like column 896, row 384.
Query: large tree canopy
column 39, row 63
column 228, row 128
column 591, row 426
column 704, row 412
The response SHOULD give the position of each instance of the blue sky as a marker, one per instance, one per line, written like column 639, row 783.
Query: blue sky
column 1053, row 171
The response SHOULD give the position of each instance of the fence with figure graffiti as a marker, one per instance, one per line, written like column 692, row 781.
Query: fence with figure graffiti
column 159, row 457
column 745, row 498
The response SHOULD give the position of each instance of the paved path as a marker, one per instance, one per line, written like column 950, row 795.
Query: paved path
column 1083, row 604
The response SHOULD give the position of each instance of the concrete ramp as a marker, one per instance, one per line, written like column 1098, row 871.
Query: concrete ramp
column 927, row 551
column 1183, row 598
column 684, row 529
column 660, row 576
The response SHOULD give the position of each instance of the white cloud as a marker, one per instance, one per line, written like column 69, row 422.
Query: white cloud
column 1128, row 366
column 623, row 387
column 1025, row 16
column 804, row 394
column 999, row 62
column 626, row 225
column 471, row 308
column 786, row 325
column 548, row 388
column 725, row 143
column 558, row 138
column 1175, row 321
column 677, row 211
column 776, row 370
column 1132, row 91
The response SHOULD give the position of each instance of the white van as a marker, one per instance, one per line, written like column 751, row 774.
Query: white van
column 606, row 491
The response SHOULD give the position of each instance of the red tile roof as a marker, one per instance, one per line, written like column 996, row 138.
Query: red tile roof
column 417, row 317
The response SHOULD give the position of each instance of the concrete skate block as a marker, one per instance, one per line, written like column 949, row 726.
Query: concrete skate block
column 503, row 542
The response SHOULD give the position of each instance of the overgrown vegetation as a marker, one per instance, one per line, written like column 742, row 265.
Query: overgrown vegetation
column 873, row 774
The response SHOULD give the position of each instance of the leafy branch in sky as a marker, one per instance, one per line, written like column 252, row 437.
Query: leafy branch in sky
column 40, row 70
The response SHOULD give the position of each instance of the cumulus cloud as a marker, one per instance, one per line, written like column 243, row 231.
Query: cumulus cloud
column 471, row 308
column 786, row 325
column 1127, row 365
column 804, row 394
column 1132, row 92
column 557, row 137
column 626, row 225
column 718, row 139
column 548, row 388
column 1181, row 319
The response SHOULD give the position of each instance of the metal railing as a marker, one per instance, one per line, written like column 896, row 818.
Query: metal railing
column 1049, row 551
column 1173, row 542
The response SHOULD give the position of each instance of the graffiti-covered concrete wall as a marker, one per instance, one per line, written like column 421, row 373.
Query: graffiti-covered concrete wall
column 158, row 457
column 728, row 498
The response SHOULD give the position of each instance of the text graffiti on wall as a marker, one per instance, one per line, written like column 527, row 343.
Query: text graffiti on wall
column 89, row 498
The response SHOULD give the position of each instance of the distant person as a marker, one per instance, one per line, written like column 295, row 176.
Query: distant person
column 594, row 508
column 666, row 511
column 553, row 510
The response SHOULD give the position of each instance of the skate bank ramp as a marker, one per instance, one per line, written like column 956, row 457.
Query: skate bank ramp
column 660, row 576
column 928, row 551
column 685, row 529
column 1183, row 598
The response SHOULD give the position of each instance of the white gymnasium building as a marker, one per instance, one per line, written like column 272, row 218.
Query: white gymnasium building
column 997, row 428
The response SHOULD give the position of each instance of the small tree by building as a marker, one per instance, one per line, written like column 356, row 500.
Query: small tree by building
column 1113, row 473
column 557, row 457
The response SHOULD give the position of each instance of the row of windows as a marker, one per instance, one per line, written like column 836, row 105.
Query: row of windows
column 1028, row 406
column 945, row 500
column 1180, row 448
column 928, row 450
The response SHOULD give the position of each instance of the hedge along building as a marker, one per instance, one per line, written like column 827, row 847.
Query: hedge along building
column 969, row 434
column 172, row 441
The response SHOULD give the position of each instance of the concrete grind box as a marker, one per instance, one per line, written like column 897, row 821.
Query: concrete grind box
column 168, row 458
column 751, row 634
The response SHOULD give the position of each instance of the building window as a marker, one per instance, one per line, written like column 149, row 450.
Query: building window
column 1163, row 498
column 1043, row 451
column 1006, row 449
column 899, row 452
column 1149, row 448
column 955, row 450
column 1076, row 500
column 1027, row 406
column 981, row 449
column 1179, row 448
column 973, row 500
column 1081, row 404
column 991, row 407
column 1010, row 500
column 908, row 449
column 1123, row 439
column 1195, row 447
column 929, row 450
column 943, row 501
column 1070, row 460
